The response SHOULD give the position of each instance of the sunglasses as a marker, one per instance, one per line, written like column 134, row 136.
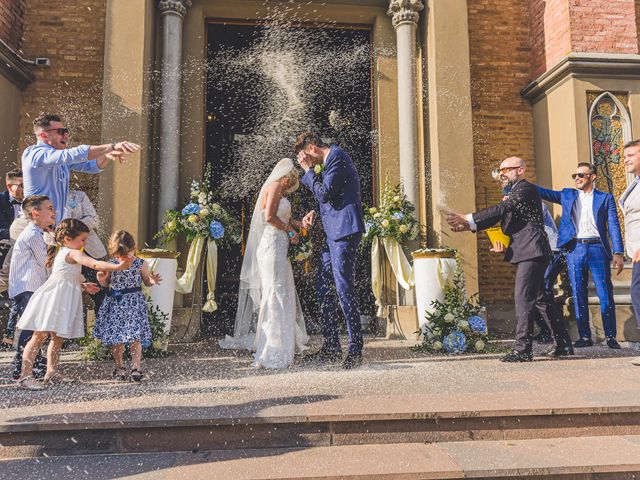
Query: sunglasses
column 580, row 175
column 61, row 131
column 506, row 169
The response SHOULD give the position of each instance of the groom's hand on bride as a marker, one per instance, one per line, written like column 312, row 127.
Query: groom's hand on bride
column 309, row 219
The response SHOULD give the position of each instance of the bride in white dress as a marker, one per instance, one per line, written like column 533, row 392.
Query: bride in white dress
column 269, row 319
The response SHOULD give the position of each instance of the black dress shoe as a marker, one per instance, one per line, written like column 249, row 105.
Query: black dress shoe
column 515, row 357
column 324, row 355
column 560, row 352
column 613, row 343
column 583, row 342
column 352, row 360
column 543, row 337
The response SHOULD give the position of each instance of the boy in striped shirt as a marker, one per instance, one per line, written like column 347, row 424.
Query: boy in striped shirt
column 28, row 271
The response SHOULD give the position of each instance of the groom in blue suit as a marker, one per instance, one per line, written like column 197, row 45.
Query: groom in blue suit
column 332, row 177
column 589, row 218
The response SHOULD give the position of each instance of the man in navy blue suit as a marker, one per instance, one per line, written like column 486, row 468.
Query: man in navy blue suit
column 332, row 177
column 589, row 218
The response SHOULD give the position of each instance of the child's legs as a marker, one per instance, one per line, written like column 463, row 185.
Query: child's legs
column 31, row 349
column 136, row 354
column 53, row 353
column 117, row 351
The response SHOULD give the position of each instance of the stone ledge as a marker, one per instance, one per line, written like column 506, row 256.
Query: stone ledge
column 567, row 458
column 583, row 64
column 13, row 68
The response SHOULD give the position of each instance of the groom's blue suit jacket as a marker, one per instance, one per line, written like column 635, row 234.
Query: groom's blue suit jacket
column 604, row 213
column 338, row 192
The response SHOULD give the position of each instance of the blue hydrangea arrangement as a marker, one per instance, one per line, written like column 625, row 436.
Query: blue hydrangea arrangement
column 201, row 216
column 453, row 326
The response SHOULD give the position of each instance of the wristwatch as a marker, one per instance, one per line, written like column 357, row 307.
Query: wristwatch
column 113, row 145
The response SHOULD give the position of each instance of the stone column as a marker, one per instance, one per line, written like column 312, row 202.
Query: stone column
column 405, row 16
column 172, row 13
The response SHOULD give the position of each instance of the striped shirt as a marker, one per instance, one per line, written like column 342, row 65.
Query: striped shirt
column 28, row 271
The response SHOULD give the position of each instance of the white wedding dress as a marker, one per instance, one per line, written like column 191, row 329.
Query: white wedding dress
column 269, row 319
column 280, row 332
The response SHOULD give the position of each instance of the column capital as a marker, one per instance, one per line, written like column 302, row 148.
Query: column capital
column 178, row 7
column 404, row 11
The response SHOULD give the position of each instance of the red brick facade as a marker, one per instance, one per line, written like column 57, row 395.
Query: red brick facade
column 559, row 27
column 502, row 119
column 12, row 22
column 71, row 35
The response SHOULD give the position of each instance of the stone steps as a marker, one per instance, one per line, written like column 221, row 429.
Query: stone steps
column 341, row 424
column 608, row 457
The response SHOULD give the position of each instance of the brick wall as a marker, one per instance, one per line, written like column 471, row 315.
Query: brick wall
column 559, row 27
column 72, row 35
column 12, row 22
column 550, row 33
column 604, row 26
column 502, row 119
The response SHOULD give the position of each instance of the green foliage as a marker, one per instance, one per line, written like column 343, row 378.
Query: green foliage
column 198, row 217
column 454, row 325
column 394, row 218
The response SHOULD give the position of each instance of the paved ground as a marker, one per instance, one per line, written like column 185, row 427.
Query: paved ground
column 202, row 381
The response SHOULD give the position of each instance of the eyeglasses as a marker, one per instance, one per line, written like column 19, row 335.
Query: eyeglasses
column 580, row 175
column 19, row 185
column 504, row 170
column 61, row 131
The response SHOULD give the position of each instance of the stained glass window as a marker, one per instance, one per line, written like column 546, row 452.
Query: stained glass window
column 609, row 127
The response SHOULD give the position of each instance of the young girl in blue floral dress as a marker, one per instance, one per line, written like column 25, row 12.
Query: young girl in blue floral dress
column 123, row 318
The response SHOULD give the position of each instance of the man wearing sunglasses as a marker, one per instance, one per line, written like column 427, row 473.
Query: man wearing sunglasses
column 589, row 219
column 47, row 165
column 520, row 214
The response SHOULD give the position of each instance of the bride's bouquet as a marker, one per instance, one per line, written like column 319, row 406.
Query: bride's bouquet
column 303, row 249
column 201, row 216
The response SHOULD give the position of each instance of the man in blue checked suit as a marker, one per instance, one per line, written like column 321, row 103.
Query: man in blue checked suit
column 589, row 219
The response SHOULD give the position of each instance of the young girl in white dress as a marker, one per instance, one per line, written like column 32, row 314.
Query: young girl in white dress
column 55, row 309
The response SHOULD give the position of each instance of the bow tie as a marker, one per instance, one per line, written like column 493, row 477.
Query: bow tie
column 15, row 202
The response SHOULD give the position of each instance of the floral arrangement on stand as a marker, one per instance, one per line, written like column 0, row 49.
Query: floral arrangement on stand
column 200, row 217
column 388, row 227
column 454, row 326
column 202, row 220
column 395, row 217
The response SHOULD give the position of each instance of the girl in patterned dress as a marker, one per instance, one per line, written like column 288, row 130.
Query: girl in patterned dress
column 55, row 309
column 123, row 317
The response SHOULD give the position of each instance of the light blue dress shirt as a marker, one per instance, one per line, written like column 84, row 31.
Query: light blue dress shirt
column 47, row 170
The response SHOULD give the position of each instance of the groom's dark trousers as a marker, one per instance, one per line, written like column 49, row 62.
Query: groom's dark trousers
column 338, row 267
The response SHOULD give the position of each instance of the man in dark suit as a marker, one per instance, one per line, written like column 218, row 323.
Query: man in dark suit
column 589, row 218
column 10, row 205
column 522, row 220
